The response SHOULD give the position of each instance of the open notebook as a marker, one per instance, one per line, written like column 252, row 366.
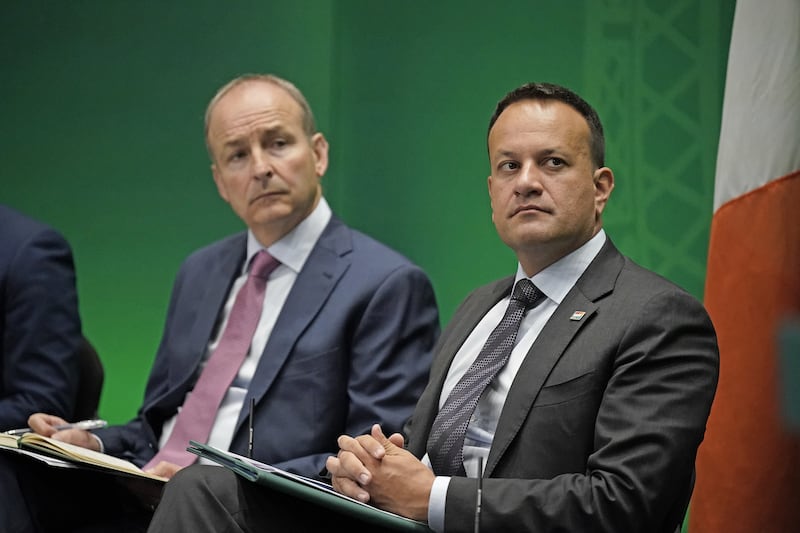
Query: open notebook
column 56, row 453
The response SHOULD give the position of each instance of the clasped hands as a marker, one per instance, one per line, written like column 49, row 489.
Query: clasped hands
column 377, row 469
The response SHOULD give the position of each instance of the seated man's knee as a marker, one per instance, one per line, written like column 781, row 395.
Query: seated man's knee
column 206, row 478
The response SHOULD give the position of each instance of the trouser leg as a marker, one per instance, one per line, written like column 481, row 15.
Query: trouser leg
column 211, row 499
column 14, row 515
column 75, row 500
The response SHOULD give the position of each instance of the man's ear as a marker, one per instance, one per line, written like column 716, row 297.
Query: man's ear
column 603, row 185
column 319, row 144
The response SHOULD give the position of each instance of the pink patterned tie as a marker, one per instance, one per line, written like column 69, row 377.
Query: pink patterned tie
column 198, row 413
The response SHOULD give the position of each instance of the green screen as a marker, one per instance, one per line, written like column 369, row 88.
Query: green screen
column 102, row 135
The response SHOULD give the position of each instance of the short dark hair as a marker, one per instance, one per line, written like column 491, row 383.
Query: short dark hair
column 551, row 91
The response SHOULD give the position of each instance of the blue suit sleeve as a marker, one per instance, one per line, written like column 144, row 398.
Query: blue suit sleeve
column 42, row 332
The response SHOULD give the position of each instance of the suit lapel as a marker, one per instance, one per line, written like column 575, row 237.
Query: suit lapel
column 220, row 273
column 322, row 270
column 472, row 312
column 466, row 317
column 559, row 331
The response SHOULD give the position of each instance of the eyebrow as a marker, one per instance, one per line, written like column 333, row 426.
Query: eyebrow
column 268, row 132
column 539, row 153
column 504, row 153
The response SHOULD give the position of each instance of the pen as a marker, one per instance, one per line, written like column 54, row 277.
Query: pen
column 250, row 428
column 83, row 424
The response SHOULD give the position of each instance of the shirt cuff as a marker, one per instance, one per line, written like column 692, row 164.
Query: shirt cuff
column 436, row 503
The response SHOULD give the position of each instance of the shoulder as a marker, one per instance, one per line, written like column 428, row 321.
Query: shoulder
column 613, row 272
column 358, row 246
column 635, row 277
column 232, row 244
column 210, row 260
column 366, row 245
column 642, row 294
column 17, row 229
column 366, row 264
column 481, row 298
column 28, row 242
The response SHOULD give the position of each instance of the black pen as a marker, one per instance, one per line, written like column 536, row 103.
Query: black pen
column 250, row 428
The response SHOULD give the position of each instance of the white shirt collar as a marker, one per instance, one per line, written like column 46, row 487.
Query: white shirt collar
column 293, row 249
column 557, row 280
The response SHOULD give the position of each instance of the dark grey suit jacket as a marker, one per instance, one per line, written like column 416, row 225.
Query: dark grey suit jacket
column 351, row 347
column 602, row 423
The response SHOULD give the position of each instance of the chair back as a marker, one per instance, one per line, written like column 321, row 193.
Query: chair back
column 90, row 384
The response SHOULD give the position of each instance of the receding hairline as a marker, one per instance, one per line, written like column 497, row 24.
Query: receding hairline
column 307, row 116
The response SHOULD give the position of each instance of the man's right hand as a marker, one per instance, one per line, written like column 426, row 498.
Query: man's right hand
column 375, row 468
column 45, row 424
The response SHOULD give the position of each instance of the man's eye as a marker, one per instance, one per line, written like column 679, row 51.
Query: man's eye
column 279, row 143
column 509, row 165
column 237, row 156
column 556, row 162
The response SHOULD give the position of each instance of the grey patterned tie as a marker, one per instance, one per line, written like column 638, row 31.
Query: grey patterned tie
column 446, row 440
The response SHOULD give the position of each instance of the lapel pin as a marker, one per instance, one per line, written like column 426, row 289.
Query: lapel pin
column 577, row 315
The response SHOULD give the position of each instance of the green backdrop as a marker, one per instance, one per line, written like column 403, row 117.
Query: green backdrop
column 102, row 105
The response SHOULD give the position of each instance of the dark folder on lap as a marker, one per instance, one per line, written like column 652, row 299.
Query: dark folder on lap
column 308, row 489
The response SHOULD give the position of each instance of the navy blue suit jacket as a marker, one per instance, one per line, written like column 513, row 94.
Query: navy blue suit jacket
column 40, row 327
column 352, row 346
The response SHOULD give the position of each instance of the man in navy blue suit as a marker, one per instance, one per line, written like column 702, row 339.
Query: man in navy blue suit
column 347, row 327
column 40, row 333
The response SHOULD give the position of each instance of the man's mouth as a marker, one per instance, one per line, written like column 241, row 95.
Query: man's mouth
column 265, row 196
column 528, row 208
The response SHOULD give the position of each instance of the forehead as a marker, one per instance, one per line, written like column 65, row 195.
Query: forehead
column 538, row 121
column 253, row 105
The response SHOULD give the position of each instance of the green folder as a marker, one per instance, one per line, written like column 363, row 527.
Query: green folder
column 308, row 489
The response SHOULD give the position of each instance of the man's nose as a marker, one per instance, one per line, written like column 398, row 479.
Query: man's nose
column 262, row 168
column 528, row 180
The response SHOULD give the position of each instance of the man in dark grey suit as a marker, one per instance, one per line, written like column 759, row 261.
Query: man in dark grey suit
column 347, row 327
column 592, row 422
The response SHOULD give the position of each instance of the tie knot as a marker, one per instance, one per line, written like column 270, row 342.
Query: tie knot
column 263, row 264
column 527, row 293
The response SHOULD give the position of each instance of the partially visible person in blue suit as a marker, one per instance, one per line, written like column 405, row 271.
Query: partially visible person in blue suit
column 40, row 326
column 348, row 325
column 40, row 333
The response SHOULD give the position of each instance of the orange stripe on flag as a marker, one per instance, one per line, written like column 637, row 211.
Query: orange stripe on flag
column 749, row 464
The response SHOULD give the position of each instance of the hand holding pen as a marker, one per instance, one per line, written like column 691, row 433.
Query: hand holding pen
column 83, row 424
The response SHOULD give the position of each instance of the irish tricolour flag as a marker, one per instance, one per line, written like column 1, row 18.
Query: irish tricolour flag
column 748, row 467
